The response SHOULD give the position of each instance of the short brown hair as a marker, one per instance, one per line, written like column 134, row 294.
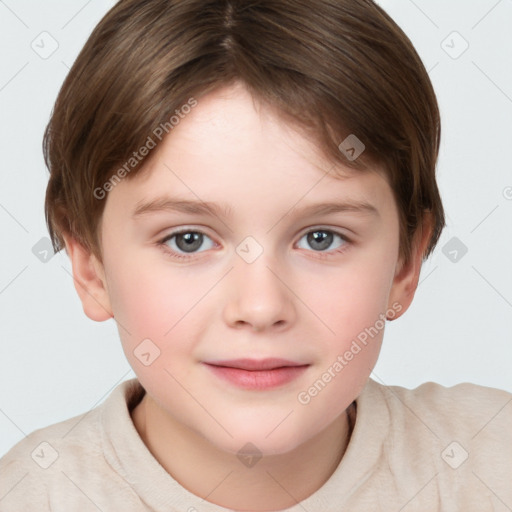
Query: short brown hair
column 333, row 67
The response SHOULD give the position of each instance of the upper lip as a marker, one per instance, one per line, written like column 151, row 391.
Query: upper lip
column 255, row 364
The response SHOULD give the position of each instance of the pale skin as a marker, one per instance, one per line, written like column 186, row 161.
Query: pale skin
column 295, row 301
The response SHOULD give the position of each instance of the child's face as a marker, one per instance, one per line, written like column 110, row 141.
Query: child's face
column 213, row 303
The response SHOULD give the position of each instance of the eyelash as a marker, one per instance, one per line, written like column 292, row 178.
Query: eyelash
column 321, row 254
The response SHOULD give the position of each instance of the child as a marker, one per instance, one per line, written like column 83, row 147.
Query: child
column 248, row 188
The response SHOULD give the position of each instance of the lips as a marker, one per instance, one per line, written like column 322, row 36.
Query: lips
column 256, row 364
column 257, row 375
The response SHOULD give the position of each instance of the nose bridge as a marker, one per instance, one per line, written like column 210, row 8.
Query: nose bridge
column 258, row 297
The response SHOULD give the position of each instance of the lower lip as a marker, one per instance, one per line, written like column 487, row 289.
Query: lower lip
column 258, row 379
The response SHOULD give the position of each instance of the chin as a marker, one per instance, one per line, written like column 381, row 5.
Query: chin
column 259, row 442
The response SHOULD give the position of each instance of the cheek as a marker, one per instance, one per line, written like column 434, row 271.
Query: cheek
column 353, row 304
column 138, row 302
column 352, row 299
column 149, row 302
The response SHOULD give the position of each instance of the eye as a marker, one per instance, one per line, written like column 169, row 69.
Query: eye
column 186, row 242
column 320, row 240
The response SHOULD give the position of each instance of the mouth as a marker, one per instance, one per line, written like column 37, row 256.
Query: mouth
column 256, row 364
column 257, row 374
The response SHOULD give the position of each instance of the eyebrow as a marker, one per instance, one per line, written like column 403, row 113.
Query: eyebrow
column 167, row 204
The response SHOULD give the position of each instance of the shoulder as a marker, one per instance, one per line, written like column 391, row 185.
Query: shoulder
column 469, row 409
column 456, row 440
column 43, row 464
column 32, row 466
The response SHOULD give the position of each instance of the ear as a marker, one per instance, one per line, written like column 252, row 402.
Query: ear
column 407, row 275
column 89, row 279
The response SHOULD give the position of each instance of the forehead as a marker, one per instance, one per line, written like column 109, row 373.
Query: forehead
column 233, row 119
column 231, row 146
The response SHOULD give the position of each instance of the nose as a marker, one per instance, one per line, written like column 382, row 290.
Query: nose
column 258, row 297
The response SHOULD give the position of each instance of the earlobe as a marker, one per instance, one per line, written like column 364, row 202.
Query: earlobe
column 407, row 274
column 89, row 280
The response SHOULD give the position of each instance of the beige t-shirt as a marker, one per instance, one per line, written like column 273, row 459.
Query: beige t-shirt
column 427, row 449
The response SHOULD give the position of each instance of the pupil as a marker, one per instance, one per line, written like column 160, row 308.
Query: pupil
column 189, row 242
column 320, row 240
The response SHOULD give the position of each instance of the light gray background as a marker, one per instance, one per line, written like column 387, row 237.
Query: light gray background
column 56, row 363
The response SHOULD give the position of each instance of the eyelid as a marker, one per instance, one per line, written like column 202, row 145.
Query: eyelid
column 323, row 227
column 185, row 229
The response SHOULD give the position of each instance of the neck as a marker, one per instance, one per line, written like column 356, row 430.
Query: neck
column 274, row 482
